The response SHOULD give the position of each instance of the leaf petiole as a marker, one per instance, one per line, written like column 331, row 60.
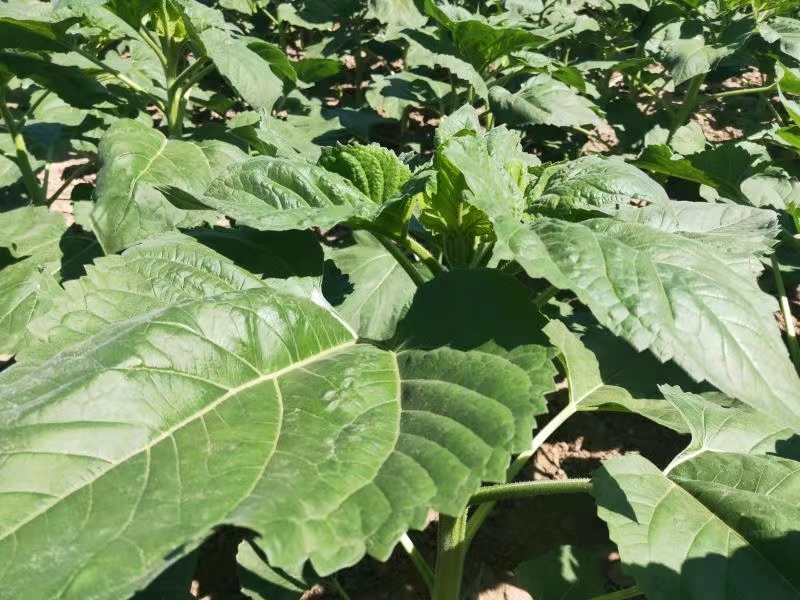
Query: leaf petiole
column 21, row 159
column 631, row 592
column 786, row 313
column 419, row 562
column 529, row 489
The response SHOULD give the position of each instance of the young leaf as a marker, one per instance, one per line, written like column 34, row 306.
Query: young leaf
column 679, row 539
column 670, row 294
column 374, row 170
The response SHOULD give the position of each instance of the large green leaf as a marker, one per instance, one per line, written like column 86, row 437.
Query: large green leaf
column 426, row 51
column 481, row 43
column 542, row 100
column 688, row 58
column 586, row 386
column 34, row 34
column 744, row 235
column 723, row 527
column 670, row 294
column 45, row 254
column 135, row 159
column 71, row 84
column 486, row 310
column 277, row 194
column 594, row 182
column 237, row 403
column 381, row 290
column 565, row 573
column 247, row 71
column 784, row 30
column 733, row 427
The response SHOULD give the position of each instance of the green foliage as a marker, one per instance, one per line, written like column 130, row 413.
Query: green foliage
column 336, row 253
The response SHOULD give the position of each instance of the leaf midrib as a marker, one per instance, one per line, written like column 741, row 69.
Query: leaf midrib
column 185, row 422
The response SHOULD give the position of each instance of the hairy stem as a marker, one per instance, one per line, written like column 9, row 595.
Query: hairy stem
column 484, row 510
column 689, row 102
column 419, row 562
column 22, row 159
column 631, row 592
column 786, row 312
column 148, row 39
column 529, row 489
column 401, row 258
column 544, row 296
column 424, row 255
column 452, row 550
column 741, row 92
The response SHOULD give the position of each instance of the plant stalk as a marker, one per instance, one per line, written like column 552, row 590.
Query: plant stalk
column 452, row 550
column 424, row 255
column 631, row 592
column 689, row 102
column 485, row 509
column 741, row 92
column 401, row 258
column 419, row 562
column 786, row 312
column 22, row 160
column 529, row 489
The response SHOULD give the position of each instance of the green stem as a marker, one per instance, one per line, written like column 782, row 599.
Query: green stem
column 544, row 296
column 193, row 73
column 484, row 510
column 631, row 592
column 401, row 258
column 22, row 159
column 786, row 311
column 179, row 89
column 740, row 92
column 419, row 562
column 126, row 80
column 689, row 102
column 452, row 550
column 339, row 589
column 424, row 255
column 154, row 46
column 529, row 489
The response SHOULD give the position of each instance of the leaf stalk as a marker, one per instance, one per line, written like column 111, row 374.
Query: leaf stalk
column 529, row 489
column 786, row 313
column 419, row 562
column 631, row 592
column 22, row 160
